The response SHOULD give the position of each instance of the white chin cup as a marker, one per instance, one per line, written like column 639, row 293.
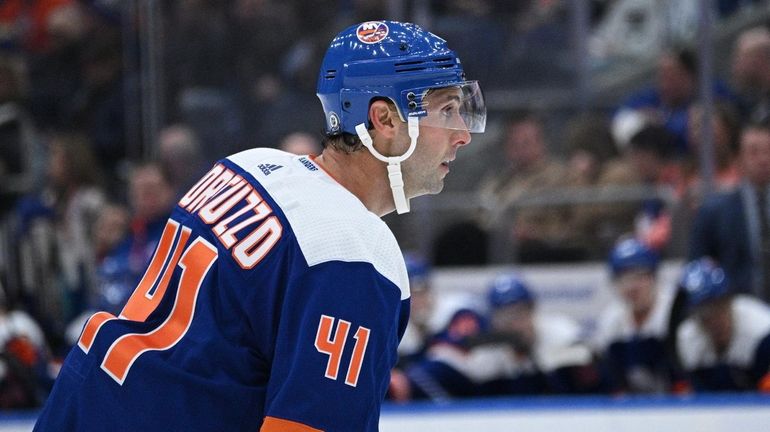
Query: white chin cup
column 394, row 162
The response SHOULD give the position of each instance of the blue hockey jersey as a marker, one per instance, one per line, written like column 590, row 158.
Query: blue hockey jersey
column 275, row 302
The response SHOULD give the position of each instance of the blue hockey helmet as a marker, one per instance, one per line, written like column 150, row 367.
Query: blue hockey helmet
column 631, row 254
column 507, row 289
column 703, row 280
column 400, row 62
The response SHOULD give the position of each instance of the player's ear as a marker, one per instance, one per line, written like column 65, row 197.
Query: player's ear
column 383, row 118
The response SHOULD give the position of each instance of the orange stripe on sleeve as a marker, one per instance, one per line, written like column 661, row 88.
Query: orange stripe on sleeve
column 273, row 424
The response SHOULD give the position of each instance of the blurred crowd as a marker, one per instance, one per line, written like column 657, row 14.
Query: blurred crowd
column 660, row 165
column 84, row 196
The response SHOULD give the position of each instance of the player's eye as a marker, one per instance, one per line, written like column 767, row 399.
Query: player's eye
column 450, row 110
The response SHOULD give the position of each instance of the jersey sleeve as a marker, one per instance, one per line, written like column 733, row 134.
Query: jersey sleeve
column 336, row 343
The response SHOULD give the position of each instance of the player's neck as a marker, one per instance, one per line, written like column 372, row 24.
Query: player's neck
column 641, row 315
column 361, row 174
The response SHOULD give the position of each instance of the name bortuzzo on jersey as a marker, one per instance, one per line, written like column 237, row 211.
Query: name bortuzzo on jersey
column 221, row 192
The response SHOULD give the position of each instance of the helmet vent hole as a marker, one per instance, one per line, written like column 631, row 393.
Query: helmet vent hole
column 410, row 66
column 330, row 74
column 346, row 104
column 409, row 63
column 444, row 62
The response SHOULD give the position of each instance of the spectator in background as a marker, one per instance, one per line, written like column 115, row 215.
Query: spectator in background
column 590, row 147
column 725, row 124
column 733, row 227
column 56, row 261
column 725, row 343
column 667, row 101
column 751, row 71
column 26, row 24
column 55, row 71
column 151, row 200
column 201, row 50
column 201, row 55
column 24, row 380
column 20, row 159
column 648, row 162
column 632, row 333
column 113, row 276
column 180, row 157
column 300, row 143
column 538, row 233
column 259, row 26
column 110, row 229
column 591, row 151
column 98, row 106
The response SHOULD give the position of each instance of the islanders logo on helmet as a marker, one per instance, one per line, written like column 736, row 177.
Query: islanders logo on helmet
column 372, row 32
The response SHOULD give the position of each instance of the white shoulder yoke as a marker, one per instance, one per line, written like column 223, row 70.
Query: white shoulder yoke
column 329, row 223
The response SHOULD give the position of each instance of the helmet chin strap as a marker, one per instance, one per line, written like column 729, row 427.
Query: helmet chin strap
column 394, row 162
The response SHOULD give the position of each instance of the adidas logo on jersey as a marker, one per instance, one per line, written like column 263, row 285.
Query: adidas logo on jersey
column 268, row 168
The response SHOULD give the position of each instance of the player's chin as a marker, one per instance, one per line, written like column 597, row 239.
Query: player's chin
column 436, row 187
column 431, row 189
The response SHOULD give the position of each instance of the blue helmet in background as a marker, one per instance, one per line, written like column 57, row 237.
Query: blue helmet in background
column 417, row 267
column 508, row 289
column 632, row 254
column 396, row 61
column 703, row 280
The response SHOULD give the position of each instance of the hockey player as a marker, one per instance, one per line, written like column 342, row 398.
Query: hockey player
column 277, row 297
column 725, row 343
column 524, row 352
column 529, row 351
column 632, row 333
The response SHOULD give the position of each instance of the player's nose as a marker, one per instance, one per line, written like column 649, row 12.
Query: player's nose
column 462, row 137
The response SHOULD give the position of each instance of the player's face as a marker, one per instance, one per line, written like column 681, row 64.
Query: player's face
column 437, row 147
column 524, row 143
column 755, row 155
column 716, row 318
column 463, row 326
column 516, row 319
column 151, row 196
column 637, row 286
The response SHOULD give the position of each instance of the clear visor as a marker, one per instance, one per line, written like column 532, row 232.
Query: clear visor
column 458, row 107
